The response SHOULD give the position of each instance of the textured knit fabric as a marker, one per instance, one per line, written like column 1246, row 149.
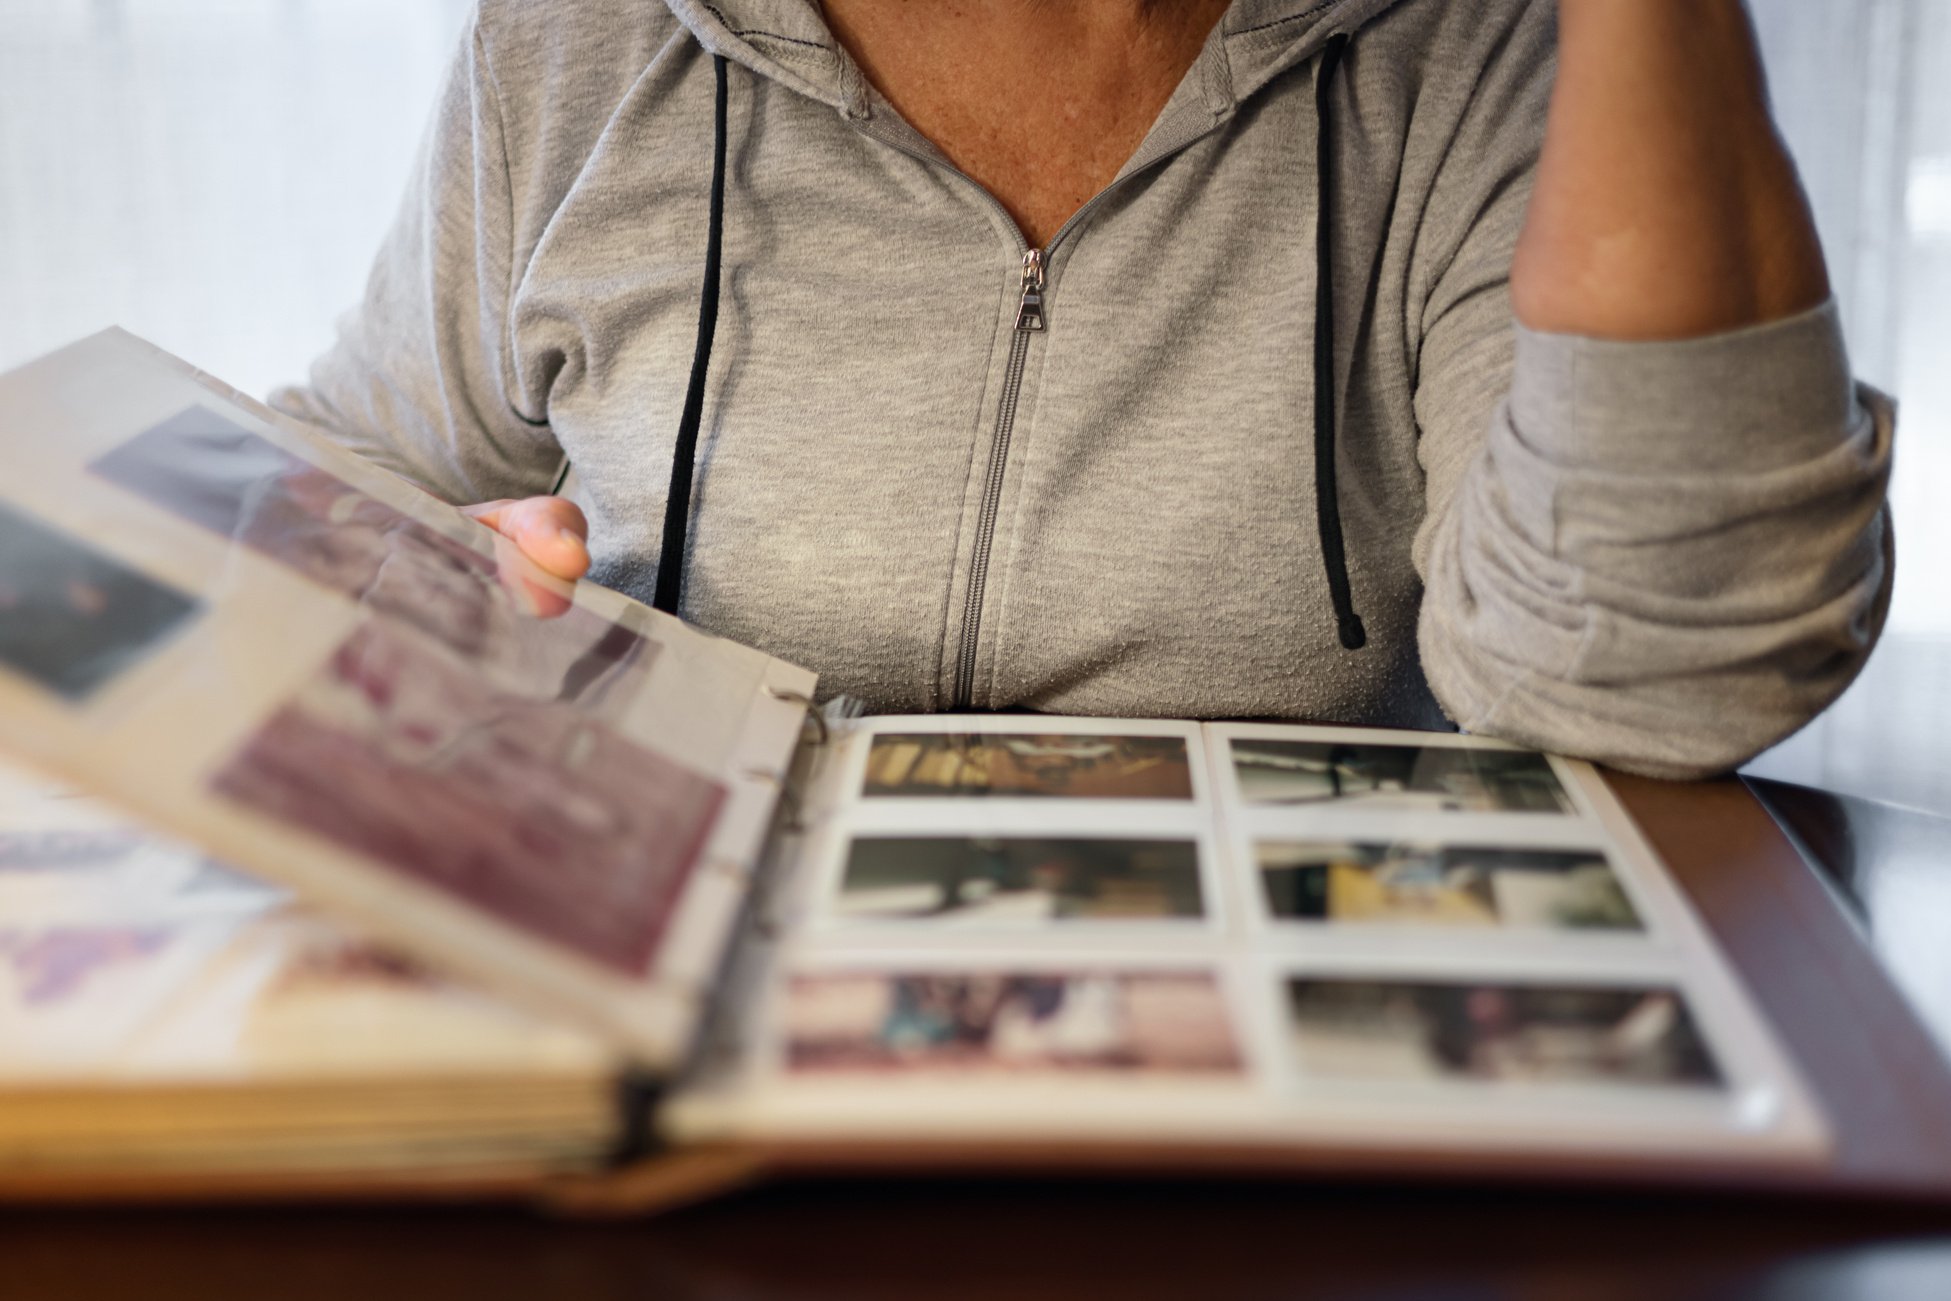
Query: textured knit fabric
column 1665, row 556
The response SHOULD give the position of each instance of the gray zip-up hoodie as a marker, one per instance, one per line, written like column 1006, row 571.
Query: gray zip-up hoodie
column 1664, row 556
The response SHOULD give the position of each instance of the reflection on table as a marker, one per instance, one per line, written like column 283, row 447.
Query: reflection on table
column 1892, row 865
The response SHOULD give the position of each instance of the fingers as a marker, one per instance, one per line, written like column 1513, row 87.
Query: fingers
column 551, row 534
column 532, row 590
column 550, row 531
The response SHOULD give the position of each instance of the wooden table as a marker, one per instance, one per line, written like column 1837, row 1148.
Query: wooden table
column 1816, row 971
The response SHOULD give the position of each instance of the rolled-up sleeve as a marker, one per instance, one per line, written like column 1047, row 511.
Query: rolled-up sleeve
column 1665, row 556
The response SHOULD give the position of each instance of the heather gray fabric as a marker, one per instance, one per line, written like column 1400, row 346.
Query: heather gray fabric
column 1665, row 556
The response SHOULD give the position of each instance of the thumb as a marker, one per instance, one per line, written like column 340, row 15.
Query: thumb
column 551, row 531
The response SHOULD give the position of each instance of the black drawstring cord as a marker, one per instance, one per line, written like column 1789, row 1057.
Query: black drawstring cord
column 677, row 507
column 1327, row 502
column 1334, row 558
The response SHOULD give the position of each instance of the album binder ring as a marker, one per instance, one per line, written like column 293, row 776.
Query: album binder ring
column 813, row 715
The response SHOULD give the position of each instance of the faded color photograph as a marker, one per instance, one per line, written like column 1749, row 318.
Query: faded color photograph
column 216, row 474
column 1398, row 778
column 59, row 963
column 1028, row 766
column 336, row 1004
column 78, row 992
column 68, row 849
column 958, row 880
column 531, row 810
column 1444, row 885
column 92, row 872
column 72, row 618
column 1507, row 1034
column 972, row 1024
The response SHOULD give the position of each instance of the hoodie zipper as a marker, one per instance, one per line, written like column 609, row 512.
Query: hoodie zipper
column 1029, row 321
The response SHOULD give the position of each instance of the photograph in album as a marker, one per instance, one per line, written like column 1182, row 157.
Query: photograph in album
column 329, row 1001
column 1444, row 885
column 1398, row 778
column 1640, row 1037
column 108, row 871
column 26, row 851
column 72, row 618
column 1029, row 765
column 76, row 990
column 976, row 1023
column 216, row 474
column 532, row 810
column 964, row 881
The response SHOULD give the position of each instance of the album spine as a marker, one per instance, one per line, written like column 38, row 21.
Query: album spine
column 640, row 1094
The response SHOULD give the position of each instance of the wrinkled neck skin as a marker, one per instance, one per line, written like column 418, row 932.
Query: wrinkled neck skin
column 1040, row 101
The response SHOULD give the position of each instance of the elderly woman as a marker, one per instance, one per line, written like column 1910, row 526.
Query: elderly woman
column 1393, row 361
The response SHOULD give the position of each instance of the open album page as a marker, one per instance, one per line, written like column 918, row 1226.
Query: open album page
column 319, row 673
column 1034, row 928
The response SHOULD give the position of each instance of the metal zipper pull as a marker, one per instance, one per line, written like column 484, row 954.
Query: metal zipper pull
column 1029, row 313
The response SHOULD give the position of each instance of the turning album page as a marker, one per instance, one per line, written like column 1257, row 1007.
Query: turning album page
column 1141, row 933
column 313, row 670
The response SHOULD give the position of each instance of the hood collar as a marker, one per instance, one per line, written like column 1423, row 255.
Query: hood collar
column 788, row 42
column 1264, row 38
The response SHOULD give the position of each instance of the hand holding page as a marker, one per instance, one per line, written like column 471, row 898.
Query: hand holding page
column 551, row 531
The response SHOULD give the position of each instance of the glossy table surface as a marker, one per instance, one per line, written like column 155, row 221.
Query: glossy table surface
column 1079, row 1238
column 1891, row 867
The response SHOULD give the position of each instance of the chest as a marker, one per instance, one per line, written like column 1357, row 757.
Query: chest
column 1043, row 105
column 1076, row 517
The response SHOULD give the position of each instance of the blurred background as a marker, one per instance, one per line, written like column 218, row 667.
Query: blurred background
column 215, row 175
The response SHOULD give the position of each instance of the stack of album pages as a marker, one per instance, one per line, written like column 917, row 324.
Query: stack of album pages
column 527, row 881
column 159, row 1013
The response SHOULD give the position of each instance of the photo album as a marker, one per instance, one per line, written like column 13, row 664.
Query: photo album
column 342, row 848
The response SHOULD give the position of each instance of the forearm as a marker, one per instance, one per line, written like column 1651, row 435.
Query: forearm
column 1666, row 206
